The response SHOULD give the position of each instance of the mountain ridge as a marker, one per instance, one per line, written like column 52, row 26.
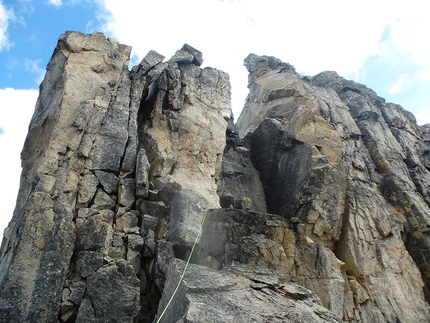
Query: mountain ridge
column 315, row 203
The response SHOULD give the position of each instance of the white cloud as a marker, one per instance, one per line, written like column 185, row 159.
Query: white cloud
column 407, row 35
column 16, row 109
column 5, row 16
column 89, row 27
column 410, row 31
column 216, row 28
column 56, row 3
column 424, row 75
column 312, row 35
column 319, row 35
column 423, row 117
column 396, row 88
column 24, row 7
column 32, row 66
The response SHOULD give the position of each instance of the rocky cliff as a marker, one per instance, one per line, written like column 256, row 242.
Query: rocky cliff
column 314, row 207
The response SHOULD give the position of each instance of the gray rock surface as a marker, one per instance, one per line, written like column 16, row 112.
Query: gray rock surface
column 236, row 295
column 351, row 168
column 317, row 212
column 93, row 206
column 239, row 181
column 85, row 90
column 261, row 240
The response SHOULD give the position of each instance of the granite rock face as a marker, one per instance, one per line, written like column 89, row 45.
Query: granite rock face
column 314, row 207
column 352, row 169
column 238, row 294
column 106, row 175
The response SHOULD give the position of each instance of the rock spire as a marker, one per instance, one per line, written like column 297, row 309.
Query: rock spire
column 316, row 204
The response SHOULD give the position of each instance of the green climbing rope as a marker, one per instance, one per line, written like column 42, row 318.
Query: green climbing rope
column 185, row 268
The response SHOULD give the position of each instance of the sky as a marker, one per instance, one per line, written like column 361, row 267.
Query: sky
column 381, row 44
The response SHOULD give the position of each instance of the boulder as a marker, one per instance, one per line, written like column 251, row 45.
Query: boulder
column 207, row 295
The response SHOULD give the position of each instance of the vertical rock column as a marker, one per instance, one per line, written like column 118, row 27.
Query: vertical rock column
column 182, row 129
column 57, row 253
column 119, row 168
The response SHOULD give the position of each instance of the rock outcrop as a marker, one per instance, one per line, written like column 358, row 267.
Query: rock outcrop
column 352, row 169
column 115, row 160
column 142, row 201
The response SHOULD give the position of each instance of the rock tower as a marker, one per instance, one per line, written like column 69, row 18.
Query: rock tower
column 137, row 185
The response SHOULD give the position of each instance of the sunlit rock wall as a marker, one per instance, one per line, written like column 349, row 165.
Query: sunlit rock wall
column 317, row 212
column 352, row 169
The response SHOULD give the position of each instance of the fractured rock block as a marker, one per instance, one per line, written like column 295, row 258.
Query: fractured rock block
column 182, row 57
column 127, row 221
column 126, row 192
column 92, row 234
column 87, row 263
column 86, row 312
column 108, row 181
column 103, row 201
column 87, row 189
column 142, row 169
column 232, row 296
column 197, row 55
column 187, row 208
column 114, row 293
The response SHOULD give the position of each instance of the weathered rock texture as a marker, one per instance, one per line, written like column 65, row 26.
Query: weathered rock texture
column 115, row 160
column 354, row 171
column 318, row 212
column 238, row 294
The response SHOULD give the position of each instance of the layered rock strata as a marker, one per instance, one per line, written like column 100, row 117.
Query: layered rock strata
column 317, row 212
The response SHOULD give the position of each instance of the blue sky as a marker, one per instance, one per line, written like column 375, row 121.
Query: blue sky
column 381, row 44
column 32, row 33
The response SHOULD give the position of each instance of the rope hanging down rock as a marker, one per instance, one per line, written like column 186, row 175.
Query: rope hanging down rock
column 185, row 268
